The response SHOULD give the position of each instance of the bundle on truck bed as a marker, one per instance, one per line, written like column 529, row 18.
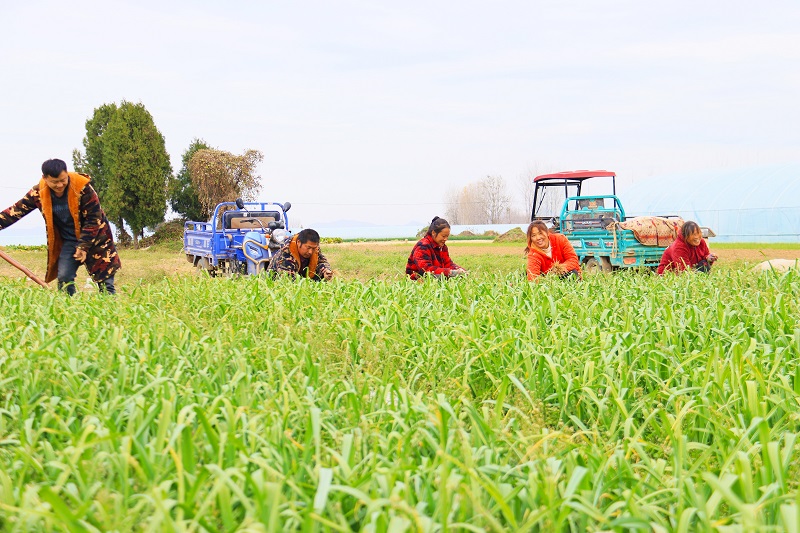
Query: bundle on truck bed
column 653, row 231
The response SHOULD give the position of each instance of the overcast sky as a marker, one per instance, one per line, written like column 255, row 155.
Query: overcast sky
column 373, row 110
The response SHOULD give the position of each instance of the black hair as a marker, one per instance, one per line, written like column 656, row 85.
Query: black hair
column 536, row 224
column 689, row 228
column 307, row 235
column 53, row 168
column 437, row 225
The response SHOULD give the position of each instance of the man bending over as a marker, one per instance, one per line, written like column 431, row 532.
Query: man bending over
column 302, row 257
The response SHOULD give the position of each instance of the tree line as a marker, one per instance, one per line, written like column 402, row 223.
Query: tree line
column 487, row 201
column 125, row 154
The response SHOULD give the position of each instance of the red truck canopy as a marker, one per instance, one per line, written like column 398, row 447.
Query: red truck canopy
column 576, row 174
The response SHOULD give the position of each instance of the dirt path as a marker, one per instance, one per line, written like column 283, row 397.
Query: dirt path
column 754, row 255
column 150, row 266
column 478, row 247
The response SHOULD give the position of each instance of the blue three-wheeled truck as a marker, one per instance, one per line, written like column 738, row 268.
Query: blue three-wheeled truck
column 240, row 238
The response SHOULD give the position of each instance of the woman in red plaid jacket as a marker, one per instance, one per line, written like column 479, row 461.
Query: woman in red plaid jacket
column 430, row 255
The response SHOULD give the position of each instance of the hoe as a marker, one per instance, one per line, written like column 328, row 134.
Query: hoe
column 22, row 268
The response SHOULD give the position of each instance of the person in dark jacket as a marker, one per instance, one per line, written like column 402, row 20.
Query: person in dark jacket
column 688, row 251
column 430, row 254
column 77, row 228
column 301, row 256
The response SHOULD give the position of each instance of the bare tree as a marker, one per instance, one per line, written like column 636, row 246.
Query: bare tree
column 452, row 210
column 479, row 202
column 220, row 176
column 526, row 189
column 465, row 205
column 549, row 204
column 496, row 202
column 472, row 204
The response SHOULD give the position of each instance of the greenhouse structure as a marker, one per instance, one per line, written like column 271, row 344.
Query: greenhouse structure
column 759, row 204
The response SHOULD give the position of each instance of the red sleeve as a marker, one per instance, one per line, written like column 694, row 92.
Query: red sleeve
column 570, row 261
column 676, row 258
column 665, row 261
column 446, row 261
column 534, row 265
column 703, row 248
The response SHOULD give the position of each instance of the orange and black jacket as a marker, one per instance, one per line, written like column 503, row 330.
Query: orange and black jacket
column 288, row 261
column 91, row 226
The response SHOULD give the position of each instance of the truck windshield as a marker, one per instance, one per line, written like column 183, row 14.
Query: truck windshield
column 550, row 199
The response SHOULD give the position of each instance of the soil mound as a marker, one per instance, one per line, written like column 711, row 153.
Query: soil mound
column 512, row 235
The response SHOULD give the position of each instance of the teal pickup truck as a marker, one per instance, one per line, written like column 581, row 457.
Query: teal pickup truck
column 591, row 222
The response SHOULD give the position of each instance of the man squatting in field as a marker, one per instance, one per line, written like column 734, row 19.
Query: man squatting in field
column 301, row 256
column 77, row 228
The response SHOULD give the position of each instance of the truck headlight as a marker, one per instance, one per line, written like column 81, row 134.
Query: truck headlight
column 278, row 236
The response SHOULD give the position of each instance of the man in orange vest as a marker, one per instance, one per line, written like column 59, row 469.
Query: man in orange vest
column 302, row 257
column 77, row 228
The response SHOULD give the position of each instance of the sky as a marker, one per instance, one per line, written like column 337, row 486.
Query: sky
column 374, row 111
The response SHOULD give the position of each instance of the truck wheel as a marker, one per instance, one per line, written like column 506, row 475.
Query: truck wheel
column 593, row 266
column 205, row 268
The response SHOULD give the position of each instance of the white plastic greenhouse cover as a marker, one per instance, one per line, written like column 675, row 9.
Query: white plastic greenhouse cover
column 745, row 205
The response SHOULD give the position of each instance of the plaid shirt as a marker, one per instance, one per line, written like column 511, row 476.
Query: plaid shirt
column 427, row 257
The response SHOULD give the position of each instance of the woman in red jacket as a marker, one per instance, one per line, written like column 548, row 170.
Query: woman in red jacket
column 550, row 253
column 430, row 255
column 688, row 251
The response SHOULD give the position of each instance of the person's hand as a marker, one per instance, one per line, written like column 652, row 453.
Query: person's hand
column 458, row 272
column 711, row 258
column 80, row 255
column 558, row 269
column 327, row 274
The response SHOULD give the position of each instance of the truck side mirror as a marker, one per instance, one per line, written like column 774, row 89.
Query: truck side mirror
column 239, row 203
column 287, row 206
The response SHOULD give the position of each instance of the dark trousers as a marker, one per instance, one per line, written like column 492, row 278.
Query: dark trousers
column 68, row 269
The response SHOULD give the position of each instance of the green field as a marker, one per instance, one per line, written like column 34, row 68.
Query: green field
column 621, row 403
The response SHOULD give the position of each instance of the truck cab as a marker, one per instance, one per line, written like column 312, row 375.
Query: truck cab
column 591, row 221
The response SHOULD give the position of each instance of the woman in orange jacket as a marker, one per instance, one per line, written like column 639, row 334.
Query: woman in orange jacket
column 550, row 253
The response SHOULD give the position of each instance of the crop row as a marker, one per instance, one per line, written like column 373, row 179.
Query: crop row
column 620, row 402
